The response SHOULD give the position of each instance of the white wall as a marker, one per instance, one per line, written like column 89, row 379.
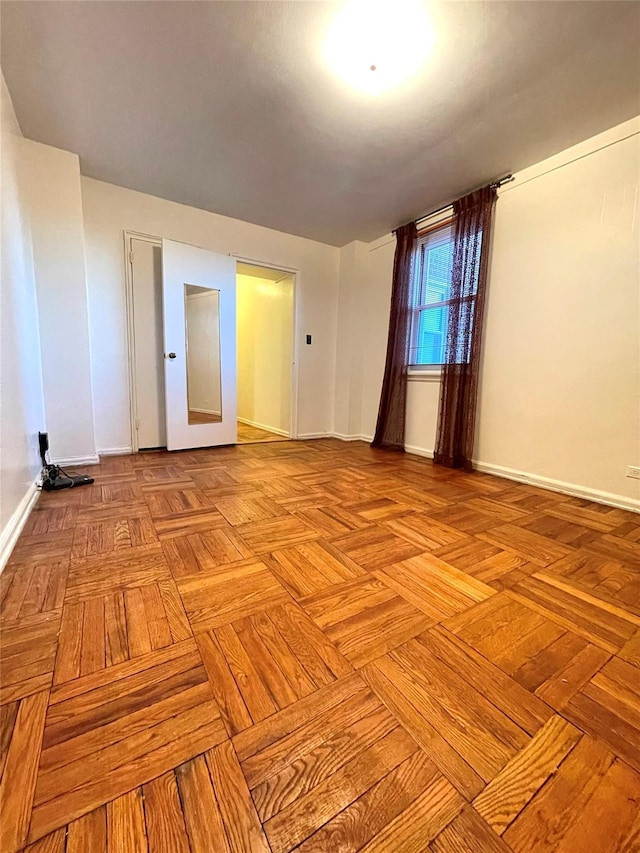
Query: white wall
column 51, row 181
column 108, row 210
column 265, row 328
column 204, row 383
column 21, row 400
column 560, row 377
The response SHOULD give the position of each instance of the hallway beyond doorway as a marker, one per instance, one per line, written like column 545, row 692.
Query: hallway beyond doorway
column 254, row 435
column 265, row 348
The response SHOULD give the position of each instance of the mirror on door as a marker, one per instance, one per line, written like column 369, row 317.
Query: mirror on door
column 202, row 341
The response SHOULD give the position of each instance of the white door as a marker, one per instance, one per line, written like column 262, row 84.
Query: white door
column 199, row 309
column 149, row 422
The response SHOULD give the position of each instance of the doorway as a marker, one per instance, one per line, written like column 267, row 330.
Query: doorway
column 266, row 387
column 265, row 321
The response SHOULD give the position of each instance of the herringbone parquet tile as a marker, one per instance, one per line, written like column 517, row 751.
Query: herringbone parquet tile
column 317, row 646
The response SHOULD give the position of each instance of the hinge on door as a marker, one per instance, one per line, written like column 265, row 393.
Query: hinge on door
column 130, row 257
column 137, row 423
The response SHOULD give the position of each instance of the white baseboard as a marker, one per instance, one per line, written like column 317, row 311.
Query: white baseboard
column 304, row 436
column 409, row 448
column 419, row 451
column 264, row 426
column 619, row 501
column 608, row 498
column 13, row 527
column 597, row 495
column 344, row 437
column 76, row 460
column 309, row 436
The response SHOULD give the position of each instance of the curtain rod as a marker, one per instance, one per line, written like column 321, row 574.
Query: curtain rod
column 495, row 185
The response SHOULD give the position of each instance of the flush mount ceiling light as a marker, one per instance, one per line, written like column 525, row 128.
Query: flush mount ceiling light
column 375, row 44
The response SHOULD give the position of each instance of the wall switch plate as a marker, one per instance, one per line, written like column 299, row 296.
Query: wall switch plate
column 633, row 471
column 308, row 339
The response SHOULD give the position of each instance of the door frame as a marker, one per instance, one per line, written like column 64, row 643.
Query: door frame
column 129, row 235
column 131, row 338
column 295, row 275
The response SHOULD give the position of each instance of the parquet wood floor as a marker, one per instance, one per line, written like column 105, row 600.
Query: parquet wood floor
column 251, row 435
column 316, row 646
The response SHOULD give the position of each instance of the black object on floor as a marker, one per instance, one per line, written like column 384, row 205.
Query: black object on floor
column 55, row 478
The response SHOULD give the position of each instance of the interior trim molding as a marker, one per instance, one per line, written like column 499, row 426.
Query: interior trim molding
column 76, row 460
column 344, row 437
column 409, row 448
column 418, row 451
column 381, row 241
column 115, row 451
column 589, row 146
column 13, row 528
column 597, row 495
column 264, row 426
column 552, row 485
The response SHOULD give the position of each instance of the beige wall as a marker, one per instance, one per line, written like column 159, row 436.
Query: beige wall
column 355, row 314
column 560, row 376
column 561, row 369
column 265, row 329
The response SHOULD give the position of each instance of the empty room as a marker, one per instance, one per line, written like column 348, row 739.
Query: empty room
column 320, row 426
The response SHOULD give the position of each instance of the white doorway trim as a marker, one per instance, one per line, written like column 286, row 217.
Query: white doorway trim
column 131, row 338
column 295, row 274
column 129, row 235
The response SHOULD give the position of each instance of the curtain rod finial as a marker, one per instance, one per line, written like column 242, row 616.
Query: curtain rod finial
column 506, row 180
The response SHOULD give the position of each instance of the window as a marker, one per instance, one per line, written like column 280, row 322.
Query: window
column 432, row 303
column 431, row 296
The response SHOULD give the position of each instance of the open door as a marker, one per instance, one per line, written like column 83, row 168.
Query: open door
column 199, row 307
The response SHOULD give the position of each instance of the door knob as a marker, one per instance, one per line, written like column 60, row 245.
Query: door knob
column 171, row 355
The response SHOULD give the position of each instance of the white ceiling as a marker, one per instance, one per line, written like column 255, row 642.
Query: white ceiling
column 228, row 106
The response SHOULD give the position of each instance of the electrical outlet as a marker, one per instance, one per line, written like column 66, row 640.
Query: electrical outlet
column 633, row 471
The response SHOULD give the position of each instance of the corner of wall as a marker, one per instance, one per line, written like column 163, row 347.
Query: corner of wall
column 51, row 181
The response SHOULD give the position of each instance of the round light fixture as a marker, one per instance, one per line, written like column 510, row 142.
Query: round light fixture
column 375, row 44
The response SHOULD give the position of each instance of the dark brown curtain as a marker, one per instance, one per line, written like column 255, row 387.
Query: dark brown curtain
column 392, row 411
column 459, row 388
